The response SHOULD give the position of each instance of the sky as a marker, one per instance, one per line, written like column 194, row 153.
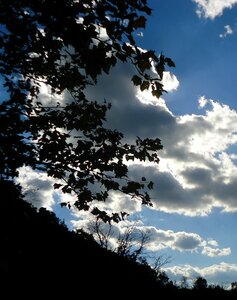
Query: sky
column 194, row 213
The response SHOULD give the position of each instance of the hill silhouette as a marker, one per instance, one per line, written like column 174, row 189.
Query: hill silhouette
column 40, row 257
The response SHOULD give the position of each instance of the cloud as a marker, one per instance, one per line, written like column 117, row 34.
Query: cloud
column 213, row 8
column 202, row 102
column 158, row 239
column 37, row 187
column 228, row 31
column 140, row 34
column 170, row 82
column 222, row 273
column 181, row 241
column 212, row 252
column 197, row 172
column 187, row 241
column 169, row 195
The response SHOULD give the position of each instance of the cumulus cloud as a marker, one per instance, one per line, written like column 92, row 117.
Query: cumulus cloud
column 212, row 252
column 37, row 187
column 202, row 102
column 213, row 8
column 197, row 172
column 158, row 239
column 170, row 82
column 228, row 31
column 222, row 273
column 181, row 241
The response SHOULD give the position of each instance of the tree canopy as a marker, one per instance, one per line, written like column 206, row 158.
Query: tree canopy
column 66, row 45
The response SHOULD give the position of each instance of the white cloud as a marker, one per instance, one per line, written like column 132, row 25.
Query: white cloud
column 202, row 102
column 222, row 273
column 37, row 187
column 158, row 239
column 212, row 252
column 140, row 34
column 196, row 171
column 228, row 31
column 170, row 82
column 212, row 243
column 213, row 8
column 181, row 241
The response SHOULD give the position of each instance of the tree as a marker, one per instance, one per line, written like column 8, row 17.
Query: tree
column 200, row 283
column 234, row 286
column 184, row 282
column 58, row 43
column 131, row 243
column 101, row 235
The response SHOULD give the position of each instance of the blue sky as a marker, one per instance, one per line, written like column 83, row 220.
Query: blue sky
column 195, row 206
column 204, row 49
column 205, row 62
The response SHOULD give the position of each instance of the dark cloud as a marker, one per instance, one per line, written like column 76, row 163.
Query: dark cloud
column 187, row 241
column 197, row 176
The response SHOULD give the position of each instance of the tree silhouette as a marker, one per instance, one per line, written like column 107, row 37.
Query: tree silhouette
column 66, row 45
column 131, row 242
column 184, row 282
column 200, row 283
column 234, row 286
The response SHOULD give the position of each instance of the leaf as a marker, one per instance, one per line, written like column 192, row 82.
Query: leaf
column 150, row 185
column 145, row 85
column 66, row 189
column 169, row 62
column 121, row 56
column 71, row 142
column 137, row 80
column 132, row 187
column 57, row 185
column 147, row 10
column 160, row 69
column 140, row 22
column 111, row 185
column 156, row 93
column 143, row 65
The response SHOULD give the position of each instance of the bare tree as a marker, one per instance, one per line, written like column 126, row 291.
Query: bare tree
column 101, row 232
column 132, row 243
column 160, row 261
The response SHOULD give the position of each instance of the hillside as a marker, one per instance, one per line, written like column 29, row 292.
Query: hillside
column 40, row 253
column 40, row 256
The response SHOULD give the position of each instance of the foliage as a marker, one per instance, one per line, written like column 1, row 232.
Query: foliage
column 200, row 283
column 66, row 45
column 234, row 286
